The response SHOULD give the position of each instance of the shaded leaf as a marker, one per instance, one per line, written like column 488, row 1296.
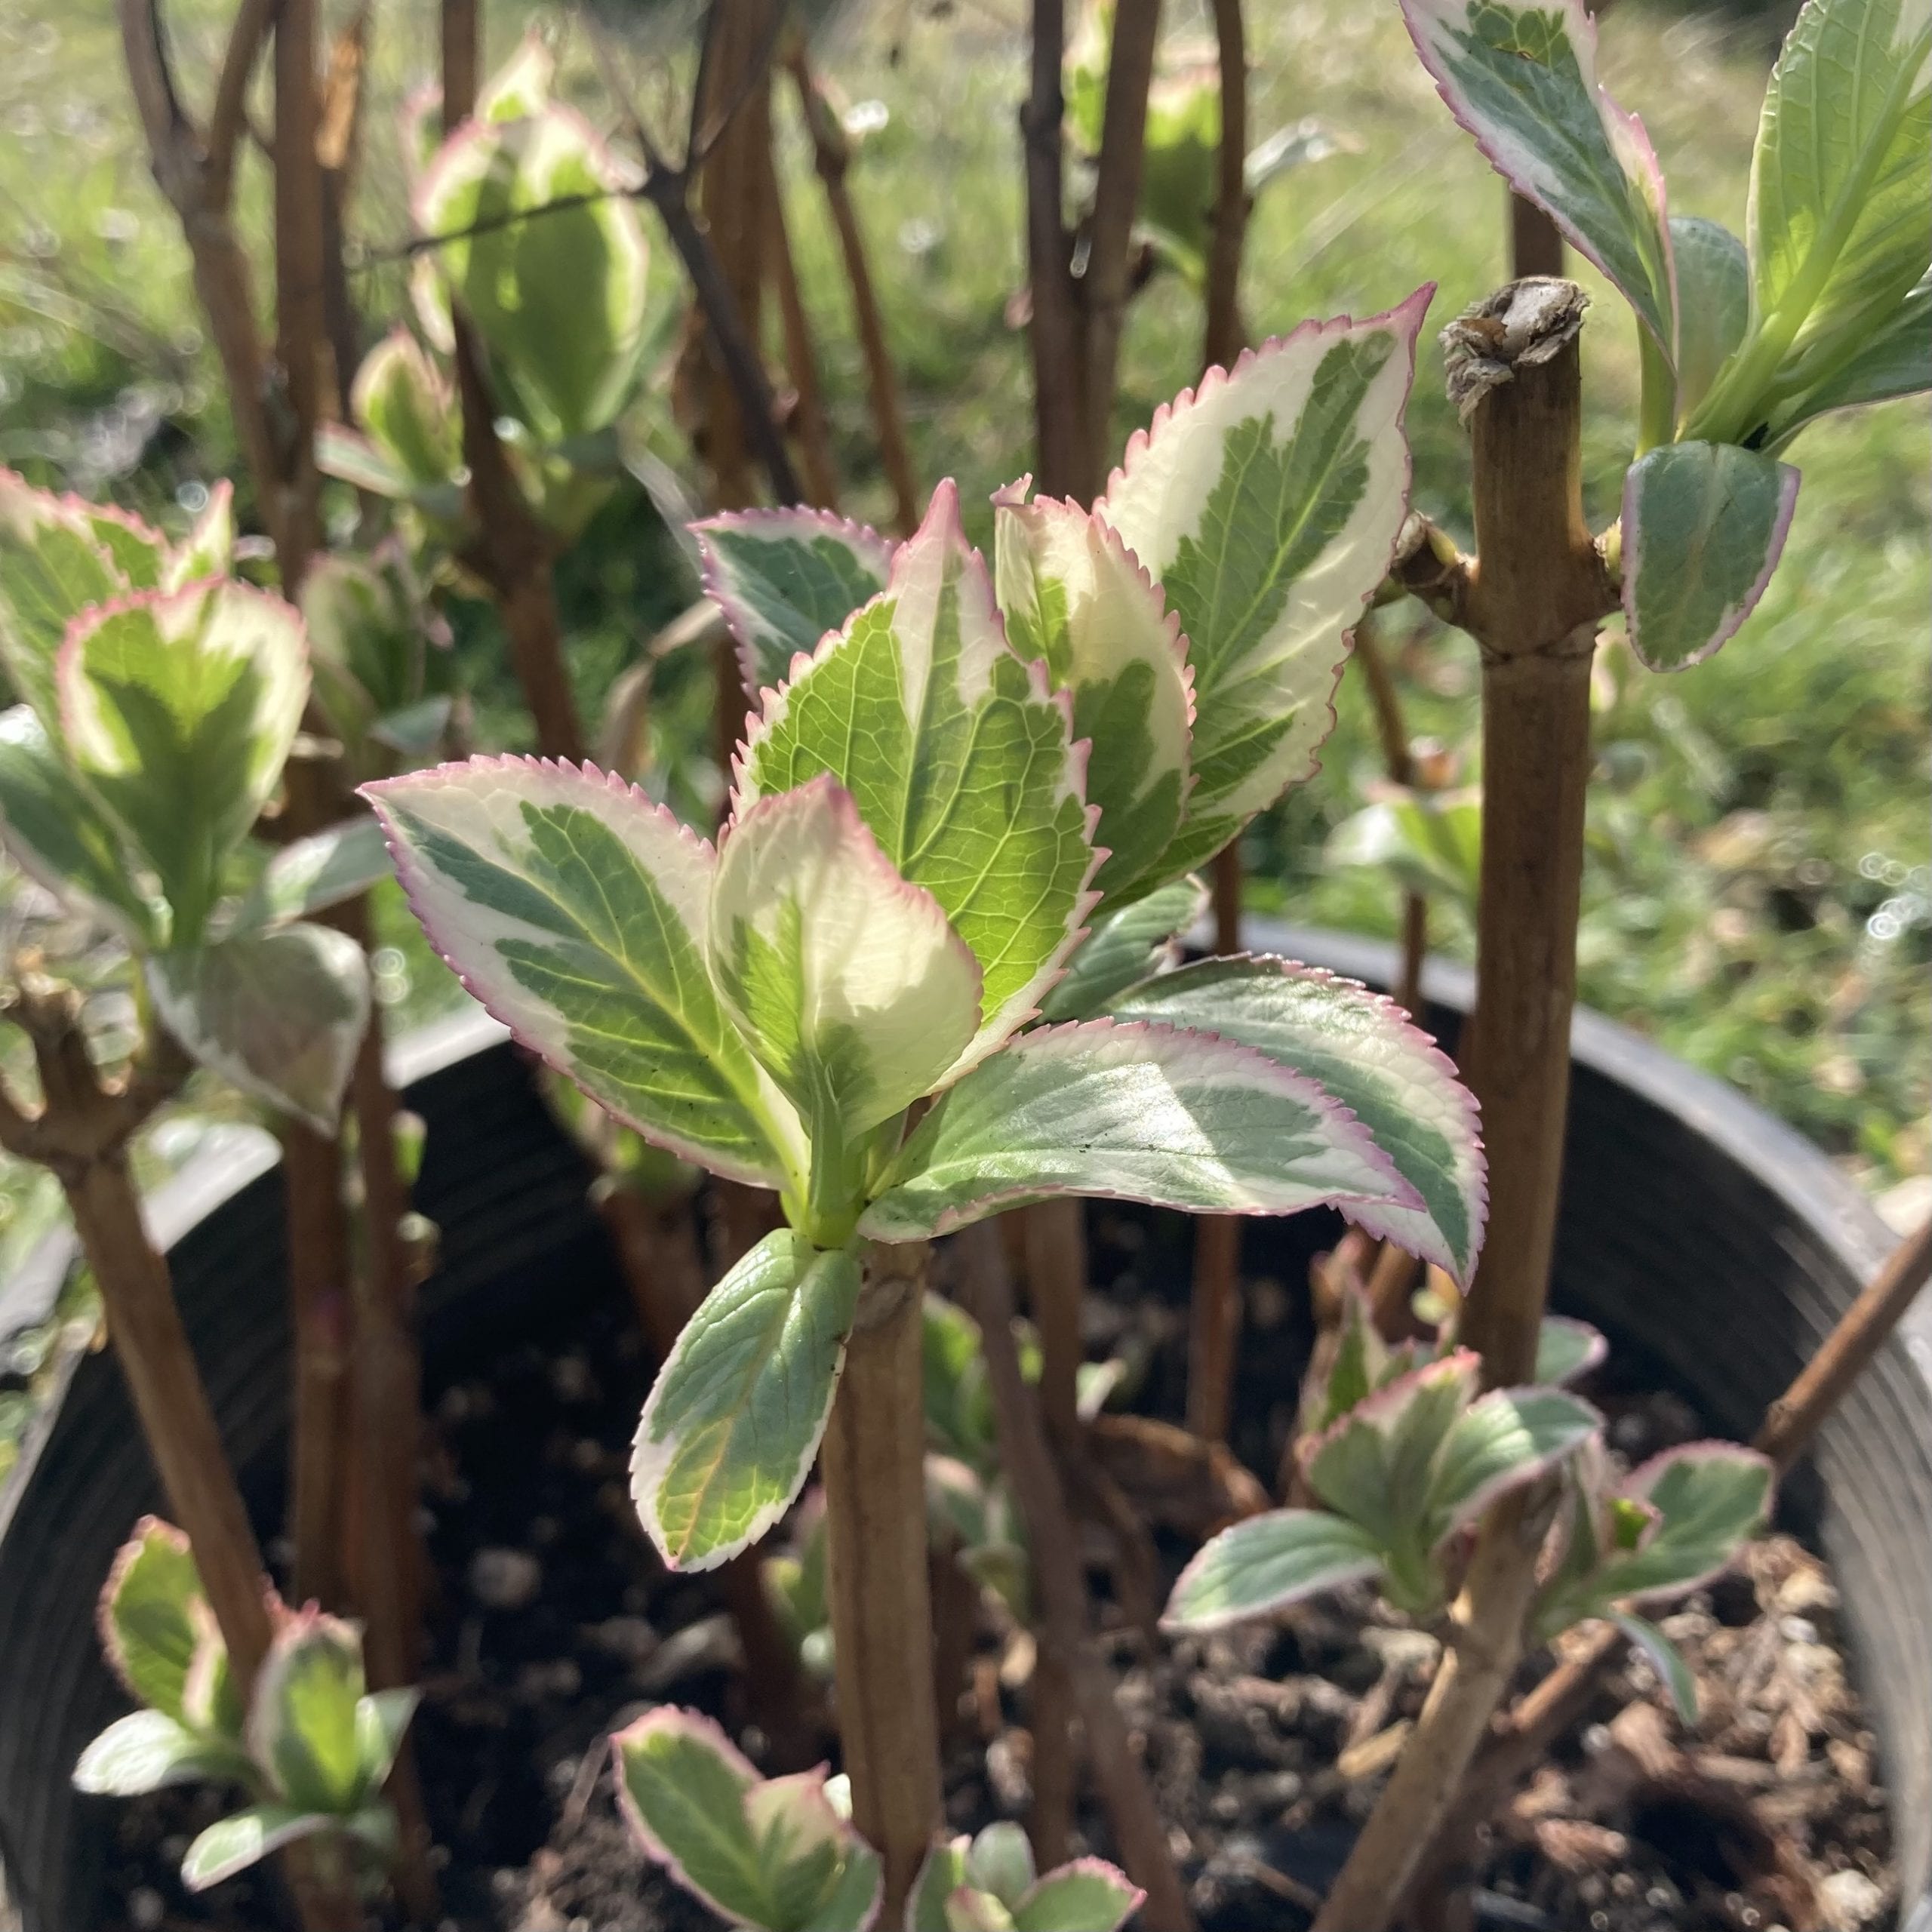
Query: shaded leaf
column 233, row 1844
column 1714, row 302
column 1566, row 1348
column 1506, row 1439
column 1126, row 944
column 1703, row 526
column 1138, row 1112
column 408, row 407
column 1087, row 1895
column 1666, row 1660
column 1709, row 1498
column 735, row 1415
column 279, row 1013
column 309, row 875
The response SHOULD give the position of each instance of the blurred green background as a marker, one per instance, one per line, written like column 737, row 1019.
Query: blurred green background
column 1758, row 898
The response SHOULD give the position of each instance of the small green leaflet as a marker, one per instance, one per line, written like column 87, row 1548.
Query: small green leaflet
column 1085, row 1895
column 577, row 911
column 57, row 835
column 1498, row 1443
column 1521, row 78
column 735, row 1415
column 852, row 990
column 1710, row 1498
column 1363, row 1051
column 1268, row 1562
column 279, row 1013
column 408, row 406
column 207, row 550
column 150, row 1624
column 303, row 1730
column 146, row 1750
column 1666, row 1659
column 1837, row 226
column 785, row 578
column 770, row 1854
column 1137, row 1112
column 178, row 710
column 561, row 300
column 309, row 875
column 1714, row 302
column 1894, row 360
column 243, row 1839
column 1267, row 503
column 1071, row 593
column 960, row 760
column 1126, row 944
column 1703, row 526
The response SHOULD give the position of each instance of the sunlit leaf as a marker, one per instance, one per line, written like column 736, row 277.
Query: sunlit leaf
column 1138, row 1112
column 1267, row 1562
column 1709, row 1498
column 208, row 548
column 1266, row 503
column 576, row 910
column 1894, row 360
column 1504, row 1439
column 303, row 1728
column 735, row 1415
column 408, row 406
column 244, row 1839
column 147, row 1750
column 149, row 1630
column 1085, row 1895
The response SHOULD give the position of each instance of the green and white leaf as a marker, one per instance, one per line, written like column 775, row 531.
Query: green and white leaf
column 208, row 548
column 139, row 551
column 785, row 578
column 304, row 1728
column 1713, row 303
column 577, row 911
column 960, row 762
column 1267, row 1562
column 734, row 1420
column 1710, row 1499
column 1000, row 1861
column 1136, row 1113
column 1126, row 944
column 57, row 834
column 1071, row 595
column 1566, row 1348
column 941, row 1874
column 310, row 875
column 1666, row 1659
column 408, row 406
column 279, row 1013
column 177, row 709
column 852, row 990
column 244, row 1839
column 1521, row 76
column 1703, row 526
column 1498, row 1443
column 1364, row 1052
column 1894, row 360
column 150, row 1631
column 1087, row 1895
column 55, row 562
column 561, row 299
column 382, row 1718
column 146, row 1750
column 1837, row 226
column 1266, row 503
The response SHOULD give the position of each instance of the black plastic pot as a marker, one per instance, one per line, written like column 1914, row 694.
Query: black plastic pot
column 1695, row 1230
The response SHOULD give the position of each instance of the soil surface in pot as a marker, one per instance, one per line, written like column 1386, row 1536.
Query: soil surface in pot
column 553, row 1621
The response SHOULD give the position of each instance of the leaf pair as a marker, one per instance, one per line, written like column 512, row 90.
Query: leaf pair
column 771, row 1854
column 1825, row 307
column 1197, row 619
column 313, row 1748
column 1400, row 1473
column 988, row 1884
column 158, row 719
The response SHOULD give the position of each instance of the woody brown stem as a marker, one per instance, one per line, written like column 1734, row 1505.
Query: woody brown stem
column 461, row 39
column 1140, row 1838
column 831, row 154
column 1224, row 336
column 1537, row 593
column 1054, row 324
column 874, row 1470
column 808, row 423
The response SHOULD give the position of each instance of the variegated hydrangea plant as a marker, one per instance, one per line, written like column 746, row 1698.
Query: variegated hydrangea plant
column 160, row 700
column 911, row 985
column 1825, row 305
column 311, row 1750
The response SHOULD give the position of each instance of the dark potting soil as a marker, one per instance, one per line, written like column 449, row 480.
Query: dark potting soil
column 552, row 1621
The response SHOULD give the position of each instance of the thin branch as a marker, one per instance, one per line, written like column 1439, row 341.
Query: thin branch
column 755, row 72
column 228, row 118
column 808, row 421
column 462, row 41
column 1430, row 568
column 1104, row 288
column 1055, row 323
column 1223, row 340
column 1140, row 1838
column 301, row 320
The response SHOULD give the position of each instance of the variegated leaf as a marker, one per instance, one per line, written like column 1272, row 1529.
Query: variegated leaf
column 1709, row 1498
column 279, row 1013
column 1521, row 76
column 1084, row 1895
column 302, row 1722
column 1838, row 227
column 1266, row 503
column 1072, row 595
column 785, row 578
column 1666, row 1659
column 177, row 709
column 244, row 1839
column 408, row 406
column 1363, row 1050
column 1703, row 526
column 772, row 1854
column 1126, row 944
column 1566, row 1349
column 57, row 834
column 1139, row 1112
column 522, row 86
column 559, row 299
column 735, row 1415
column 150, row 1626
column 942, row 1873
column 54, row 564
column 576, row 910
column 208, row 548
column 1267, row 1562
column 145, row 1751
column 960, row 762
column 1714, row 302
column 852, row 990
column 309, row 875
column 139, row 551
column 1508, row 1437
